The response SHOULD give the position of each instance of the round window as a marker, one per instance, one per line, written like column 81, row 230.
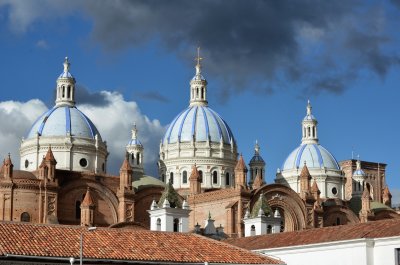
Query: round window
column 334, row 190
column 83, row 162
column 26, row 163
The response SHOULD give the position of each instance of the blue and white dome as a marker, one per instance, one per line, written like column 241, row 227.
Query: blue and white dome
column 315, row 156
column 200, row 122
column 63, row 121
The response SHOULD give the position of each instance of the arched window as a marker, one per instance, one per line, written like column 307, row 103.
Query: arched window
column 25, row 217
column 269, row 229
column 313, row 131
column 215, row 177
column 132, row 159
column 138, row 159
column 227, row 179
column 69, row 91
column 63, row 91
column 202, row 93
column 171, row 177
column 78, row 210
column 184, row 177
column 197, row 92
column 201, row 176
column 308, row 131
column 158, row 224
column 252, row 230
column 176, row 225
column 162, row 177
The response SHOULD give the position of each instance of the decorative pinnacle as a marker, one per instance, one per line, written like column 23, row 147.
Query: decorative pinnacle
column 66, row 65
column 358, row 163
column 309, row 108
column 198, row 59
column 134, row 131
column 257, row 148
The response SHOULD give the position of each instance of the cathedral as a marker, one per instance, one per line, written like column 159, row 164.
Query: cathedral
column 203, row 185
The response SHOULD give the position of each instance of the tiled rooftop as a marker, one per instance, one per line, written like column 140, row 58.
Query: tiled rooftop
column 377, row 229
column 120, row 244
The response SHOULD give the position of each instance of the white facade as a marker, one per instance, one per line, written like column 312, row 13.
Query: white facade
column 169, row 219
column 73, row 138
column 198, row 135
column 365, row 251
column 321, row 164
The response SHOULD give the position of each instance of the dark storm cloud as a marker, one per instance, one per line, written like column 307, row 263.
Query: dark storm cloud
column 244, row 41
column 247, row 45
column 86, row 97
column 152, row 95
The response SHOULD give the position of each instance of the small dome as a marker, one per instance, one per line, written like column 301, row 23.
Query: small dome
column 64, row 120
column 314, row 155
column 256, row 158
column 134, row 142
column 202, row 123
column 309, row 117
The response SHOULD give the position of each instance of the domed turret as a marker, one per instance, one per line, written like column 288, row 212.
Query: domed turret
column 135, row 150
column 198, row 135
column 76, row 142
column 257, row 165
column 320, row 162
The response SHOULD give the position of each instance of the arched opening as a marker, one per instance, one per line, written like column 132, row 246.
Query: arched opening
column 197, row 92
column 138, row 158
column 158, row 224
column 201, row 176
column 171, row 177
column 63, row 91
column 370, row 191
column 215, row 177
column 163, row 177
column 227, row 179
column 25, row 217
column 176, row 225
column 308, row 131
column 313, row 133
column 252, row 230
column 184, row 177
column 78, row 210
column 269, row 229
column 282, row 226
column 132, row 159
column 68, row 91
column 202, row 93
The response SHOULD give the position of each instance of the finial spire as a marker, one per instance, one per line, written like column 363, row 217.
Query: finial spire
column 134, row 131
column 309, row 108
column 198, row 59
column 358, row 163
column 66, row 65
column 257, row 148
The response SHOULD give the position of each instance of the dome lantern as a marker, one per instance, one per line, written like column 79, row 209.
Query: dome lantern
column 65, row 87
column 198, row 85
column 309, row 124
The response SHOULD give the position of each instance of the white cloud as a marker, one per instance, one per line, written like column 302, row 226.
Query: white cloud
column 114, row 122
column 17, row 117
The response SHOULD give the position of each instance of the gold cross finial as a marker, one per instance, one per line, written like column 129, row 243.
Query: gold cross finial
column 198, row 59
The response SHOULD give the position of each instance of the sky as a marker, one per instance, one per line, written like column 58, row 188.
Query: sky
column 133, row 61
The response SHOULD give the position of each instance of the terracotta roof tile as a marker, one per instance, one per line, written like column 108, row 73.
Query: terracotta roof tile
column 376, row 229
column 120, row 244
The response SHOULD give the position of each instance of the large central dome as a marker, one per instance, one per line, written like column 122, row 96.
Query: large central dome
column 198, row 123
column 198, row 136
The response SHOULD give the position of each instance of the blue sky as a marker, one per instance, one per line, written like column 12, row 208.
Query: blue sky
column 262, row 63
